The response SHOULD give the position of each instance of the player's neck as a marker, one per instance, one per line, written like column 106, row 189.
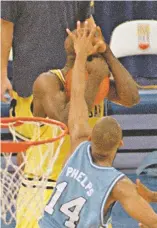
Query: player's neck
column 100, row 160
column 69, row 64
column 103, row 163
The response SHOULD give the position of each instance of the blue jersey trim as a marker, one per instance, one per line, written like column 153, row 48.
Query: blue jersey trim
column 91, row 162
column 106, row 197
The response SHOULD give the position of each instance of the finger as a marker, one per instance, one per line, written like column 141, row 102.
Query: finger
column 70, row 33
column 85, row 31
column 99, row 31
column 10, row 91
column 92, row 33
column 137, row 181
column 78, row 28
column 98, row 45
column 95, row 49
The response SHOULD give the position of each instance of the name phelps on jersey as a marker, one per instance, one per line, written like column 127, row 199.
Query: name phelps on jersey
column 82, row 178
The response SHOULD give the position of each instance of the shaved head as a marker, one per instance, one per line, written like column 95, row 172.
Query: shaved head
column 106, row 135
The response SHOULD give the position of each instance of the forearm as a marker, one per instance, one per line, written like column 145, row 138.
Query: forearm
column 92, row 87
column 77, row 93
column 126, row 87
column 143, row 212
column 6, row 41
column 78, row 77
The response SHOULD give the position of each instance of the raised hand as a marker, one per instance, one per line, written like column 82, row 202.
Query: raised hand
column 83, row 40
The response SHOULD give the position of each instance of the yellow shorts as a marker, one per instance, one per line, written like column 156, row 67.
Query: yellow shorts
column 30, row 206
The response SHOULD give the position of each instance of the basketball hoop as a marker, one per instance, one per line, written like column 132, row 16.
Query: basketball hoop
column 23, row 185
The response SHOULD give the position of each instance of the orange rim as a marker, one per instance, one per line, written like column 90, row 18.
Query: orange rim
column 12, row 147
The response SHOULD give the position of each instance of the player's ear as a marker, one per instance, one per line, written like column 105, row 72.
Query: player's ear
column 121, row 143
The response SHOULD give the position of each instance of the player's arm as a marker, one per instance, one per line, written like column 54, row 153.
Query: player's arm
column 123, row 89
column 146, row 193
column 49, row 99
column 125, row 192
column 96, row 75
column 78, row 113
column 9, row 13
column 6, row 43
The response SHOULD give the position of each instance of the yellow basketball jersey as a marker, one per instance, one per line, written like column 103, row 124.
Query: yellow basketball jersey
column 97, row 112
column 39, row 157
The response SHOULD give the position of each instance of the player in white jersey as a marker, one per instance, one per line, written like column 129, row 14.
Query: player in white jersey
column 89, row 186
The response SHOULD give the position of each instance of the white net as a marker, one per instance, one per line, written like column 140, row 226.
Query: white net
column 27, row 177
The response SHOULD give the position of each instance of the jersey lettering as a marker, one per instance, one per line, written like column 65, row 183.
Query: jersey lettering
column 76, row 205
column 60, row 188
column 71, row 209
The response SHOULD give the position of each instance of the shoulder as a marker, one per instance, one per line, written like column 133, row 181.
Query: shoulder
column 123, row 188
column 47, row 81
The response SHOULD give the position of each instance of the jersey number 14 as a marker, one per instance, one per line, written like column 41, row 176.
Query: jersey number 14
column 75, row 204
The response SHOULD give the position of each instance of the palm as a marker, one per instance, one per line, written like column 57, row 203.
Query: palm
column 84, row 40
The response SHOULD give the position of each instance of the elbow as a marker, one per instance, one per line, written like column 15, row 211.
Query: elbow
column 130, row 100
column 134, row 99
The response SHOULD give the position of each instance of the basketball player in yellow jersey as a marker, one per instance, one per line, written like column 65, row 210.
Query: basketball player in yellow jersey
column 51, row 91
column 51, row 94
